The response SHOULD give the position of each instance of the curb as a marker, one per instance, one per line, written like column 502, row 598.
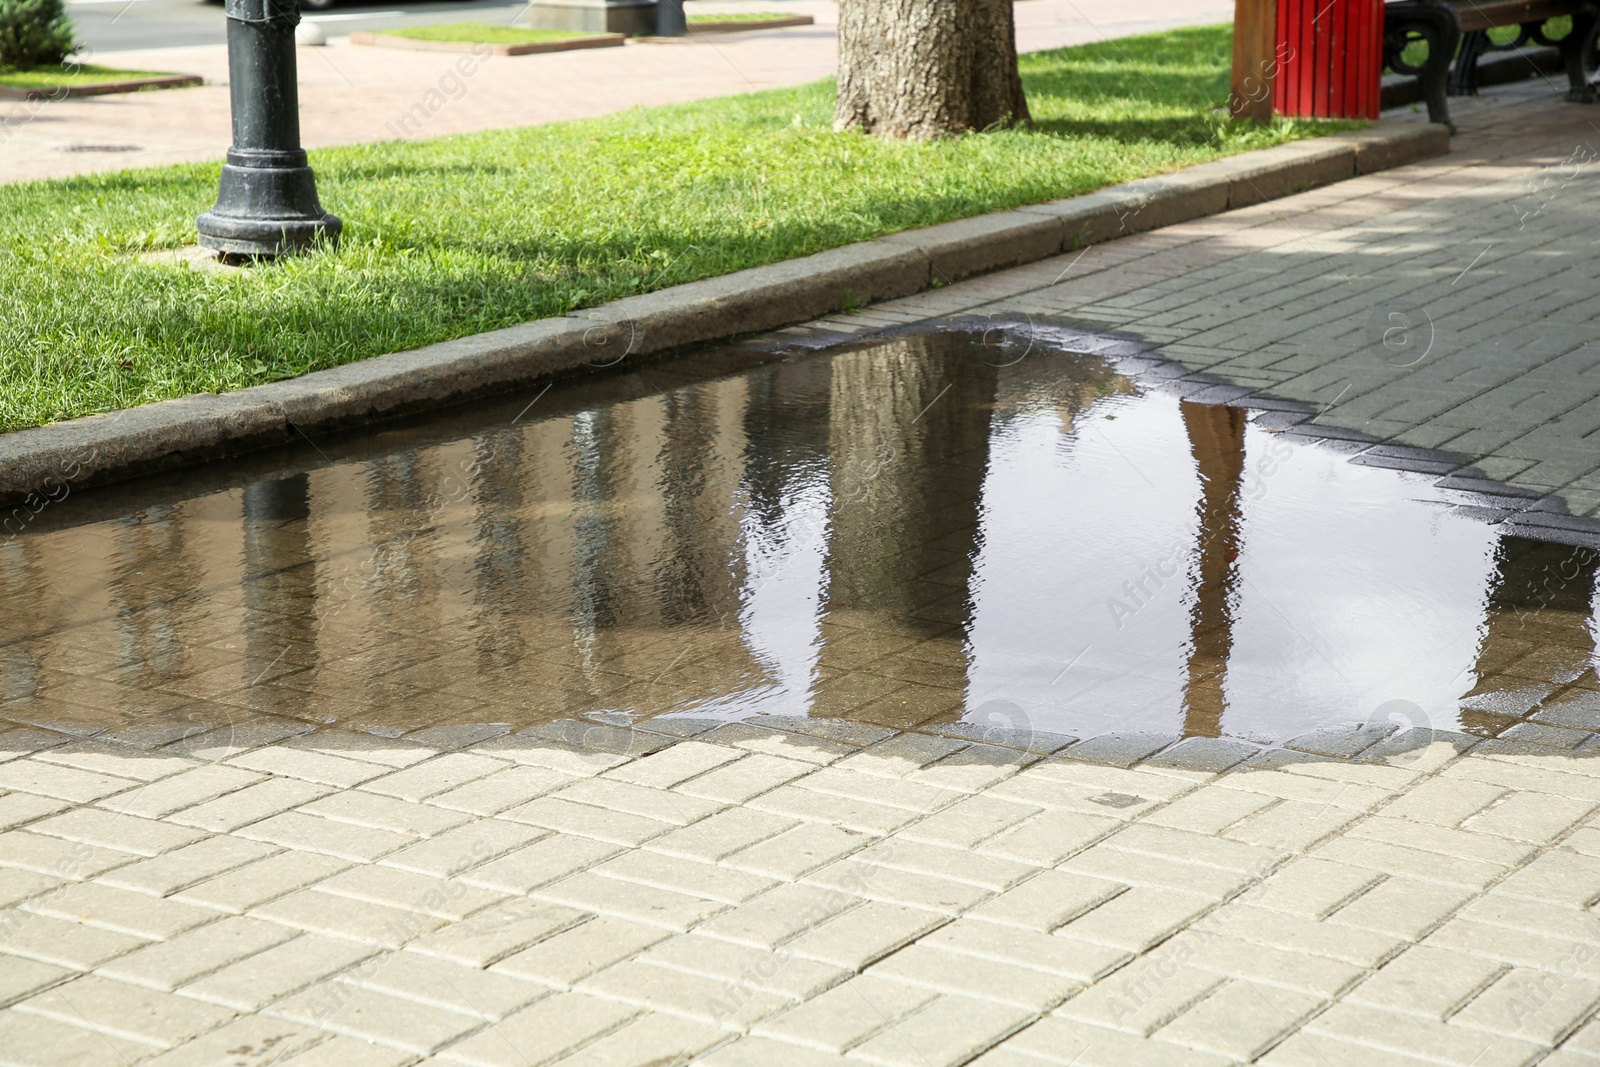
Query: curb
column 132, row 85
column 414, row 44
column 44, row 463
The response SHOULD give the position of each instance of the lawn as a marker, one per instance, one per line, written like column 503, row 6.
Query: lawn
column 483, row 33
column 73, row 74
column 453, row 236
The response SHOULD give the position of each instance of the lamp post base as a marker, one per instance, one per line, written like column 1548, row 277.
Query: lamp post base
column 266, row 206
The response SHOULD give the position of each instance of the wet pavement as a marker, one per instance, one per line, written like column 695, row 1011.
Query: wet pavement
column 1095, row 663
column 948, row 530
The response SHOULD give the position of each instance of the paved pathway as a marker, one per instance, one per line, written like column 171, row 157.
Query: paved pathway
column 352, row 94
column 812, row 893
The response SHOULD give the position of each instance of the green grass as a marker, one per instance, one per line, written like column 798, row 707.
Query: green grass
column 482, row 33
column 72, row 75
column 462, row 234
column 742, row 16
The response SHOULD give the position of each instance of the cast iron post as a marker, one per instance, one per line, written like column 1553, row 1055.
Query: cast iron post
column 267, row 200
column 670, row 19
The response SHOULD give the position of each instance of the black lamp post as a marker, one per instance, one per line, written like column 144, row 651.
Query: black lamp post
column 670, row 19
column 267, row 200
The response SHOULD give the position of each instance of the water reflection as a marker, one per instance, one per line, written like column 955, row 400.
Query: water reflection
column 901, row 533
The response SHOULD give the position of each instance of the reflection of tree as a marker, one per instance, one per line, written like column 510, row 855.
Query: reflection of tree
column 1216, row 437
column 909, row 424
column 1537, row 623
column 500, row 581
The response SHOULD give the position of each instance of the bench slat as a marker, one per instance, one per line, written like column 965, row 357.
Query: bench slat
column 1484, row 16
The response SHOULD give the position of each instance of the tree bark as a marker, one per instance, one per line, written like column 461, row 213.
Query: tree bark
column 918, row 70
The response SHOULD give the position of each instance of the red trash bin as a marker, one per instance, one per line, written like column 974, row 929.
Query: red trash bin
column 1332, row 63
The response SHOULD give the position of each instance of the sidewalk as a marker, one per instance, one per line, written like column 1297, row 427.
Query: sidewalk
column 352, row 95
column 810, row 892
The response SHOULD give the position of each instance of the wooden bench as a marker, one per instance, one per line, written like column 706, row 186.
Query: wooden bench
column 1447, row 24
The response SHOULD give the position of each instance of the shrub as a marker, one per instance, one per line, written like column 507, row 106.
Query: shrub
column 34, row 33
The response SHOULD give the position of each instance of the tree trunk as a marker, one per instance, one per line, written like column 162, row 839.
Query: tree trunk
column 922, row 69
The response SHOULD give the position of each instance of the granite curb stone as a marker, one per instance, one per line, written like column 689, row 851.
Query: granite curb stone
column 43, row 463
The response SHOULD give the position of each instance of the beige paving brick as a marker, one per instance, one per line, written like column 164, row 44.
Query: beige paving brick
column 1402, row 907
column 961, row 865
column 497, row 932
column 58, row 857
column 1192, row 848
column 650, row 1039
column 29, row 775
column 442, row 984
column 586, row 820
column 751, row 776
column 18, row 884
column 184, row 866
column 437, row 775
column 1322, row 1050
column 877, row 789
column 1295, row 933
column 1536, row 917
column 1311, row 887
column 388, row 751
column 20, row 977
column 708, row 1000
column 547, row 860
column 122, row 910
column 1516, row 946
column 1209, row 811
column 1137, row 919
column 386, row 813
column 541, row 1032
column 1077, row 960
column 1241, row 1019
column 248, row 1041
column 36, row 1041
column 718, row 836
column 167, row 965
column 1056, row 1039
column 1143, row 996
column 631, row 900
column 765, row 1052
column 1315, row 976
column 1048, row 900
column 309, row 833
column 246, row 887
column 660, row 804
column 777, row 972
column 105, row 829
column 679, row 763
column 1533, row 1005
column 204, row 782
column 799, row 850
column 874, row 882
column 369, row 1015
column 685, row 876
column 1556, row 877
column 1157, row 872
column 777, row 915
column 960, row 974
column 1443, row 801
column 1537, row 818
column 1049, row 837
column 250, row 804
column 949, row 1031
column 348, row 1052
column 1409, row 862
column 414, row 892
column 259, row 980
column 1409, row 1035
column 1286, row 786
column 1460, row 844
column 502, row 790
column 969, row 821
column 1542, row 779
column 971, row 770
column 358, row 920
column 862, row 935
column 847, row 813
column 57, row 941
column 1092, row 779
column 1293, row 826
column 17, row 809
column 567, row 958
column 898, row 757
column 463, row 848
column 846, row 1014
column 125, row 1011
column 284, row 762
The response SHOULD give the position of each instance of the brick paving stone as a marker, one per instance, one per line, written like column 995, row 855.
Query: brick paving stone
column 184, row 866
column 37, row 1041
column 565, row 959
column 707, row 1000
column 586, row 820
column 415, row 892
column 684, row 876
column 20, row 977
column 376, row 1017
column 946, row 1032
column 501, row 790
column 1240, row 1020
column 541, row 1032
column 798, row 851
column 122, row 910
column 865, row 934
column 464, row 848
column 28, row 775
column 248, row 1041
column 442, row 984
column 875, row 882
column 386, row 813
column 1143, row 996
column 1410, row 1035
column 16, row 809
column 547, row 860
column 1059, row 1040
column 246, row 887
column 120, row 1010
column 983, row 979
column 1138, row 918
column 497, row 932
column 105, row 829
column 249, row 805
column 356, row 920
column 67, row 944
column 780, row 973
column 349, row 1052
column 286, row 968
column 719, row 836
column 169, row 964
column 58, row 858
column 1311, row 887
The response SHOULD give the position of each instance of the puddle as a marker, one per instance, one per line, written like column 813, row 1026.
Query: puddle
column 915, row 532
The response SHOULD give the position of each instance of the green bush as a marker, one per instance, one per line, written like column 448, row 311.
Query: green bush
column 34, row 33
